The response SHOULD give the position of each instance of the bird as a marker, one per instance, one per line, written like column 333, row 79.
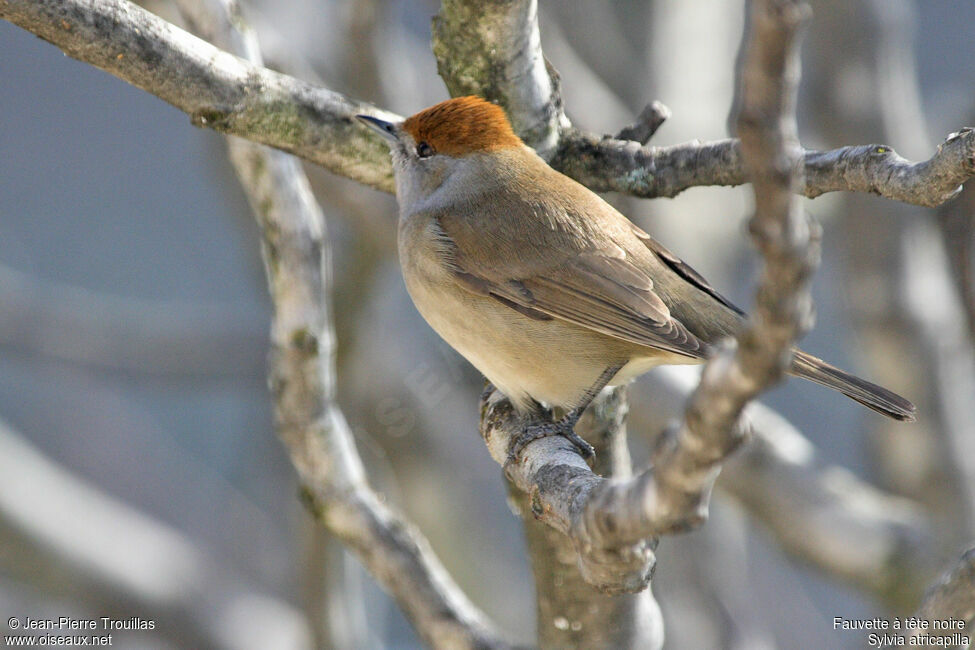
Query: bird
column 549, row 291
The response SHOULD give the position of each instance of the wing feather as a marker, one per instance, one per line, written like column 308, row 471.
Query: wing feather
column 592, row 267
column 605, row 293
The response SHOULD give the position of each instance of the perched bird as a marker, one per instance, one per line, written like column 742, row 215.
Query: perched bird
column 548, row 290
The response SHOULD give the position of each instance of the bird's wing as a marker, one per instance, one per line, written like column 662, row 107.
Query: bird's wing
column 592, row 281
column 678, row 266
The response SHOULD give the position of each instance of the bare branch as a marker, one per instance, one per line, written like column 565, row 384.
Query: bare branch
column 610, row 521
column 689, row 462
column 302, row 377
column 217, row 89
column 563, row 491
column 222, row 92
column 877, row 169
column 571, row 614
column 611, row 165
column 650, row 119
column 825, row 516
column 820, row 513
column 493, row 49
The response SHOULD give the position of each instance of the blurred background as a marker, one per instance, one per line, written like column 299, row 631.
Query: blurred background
column 139, row 473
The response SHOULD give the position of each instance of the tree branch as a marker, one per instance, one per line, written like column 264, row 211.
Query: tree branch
column 571, row 614
column 309, row 422
column 222, row 92
column 216, row 89
column 611, row 521
column 820, row 513
column 647, row 122
column 609, row 165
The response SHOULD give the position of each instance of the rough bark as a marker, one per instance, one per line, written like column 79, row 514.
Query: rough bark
column 570, row 613
column 216, row 89
column 606, row 164
column 493, row 49
column 611, row 521
column 225, row 93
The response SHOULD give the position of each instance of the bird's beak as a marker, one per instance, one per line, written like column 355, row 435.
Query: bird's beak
column 382, row 127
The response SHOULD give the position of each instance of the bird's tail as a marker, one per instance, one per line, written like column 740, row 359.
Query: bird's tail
column 870, row 395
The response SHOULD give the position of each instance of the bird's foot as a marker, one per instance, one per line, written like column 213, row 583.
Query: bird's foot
column 563, row 427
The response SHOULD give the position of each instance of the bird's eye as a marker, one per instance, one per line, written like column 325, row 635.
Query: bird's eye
column 423, row 150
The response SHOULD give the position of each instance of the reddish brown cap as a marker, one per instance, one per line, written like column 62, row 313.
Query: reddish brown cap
column 461, row 126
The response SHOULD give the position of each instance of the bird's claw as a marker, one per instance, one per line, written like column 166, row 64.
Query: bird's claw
column 536, row 431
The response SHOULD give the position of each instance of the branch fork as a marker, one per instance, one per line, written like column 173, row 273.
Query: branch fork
column 613, row 523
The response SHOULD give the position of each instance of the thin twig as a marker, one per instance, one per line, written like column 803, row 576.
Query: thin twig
column 650, row 119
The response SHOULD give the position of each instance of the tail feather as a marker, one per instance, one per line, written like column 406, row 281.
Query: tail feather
column 870, row 395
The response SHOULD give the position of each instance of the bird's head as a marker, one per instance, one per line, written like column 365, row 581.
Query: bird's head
column 451, row 147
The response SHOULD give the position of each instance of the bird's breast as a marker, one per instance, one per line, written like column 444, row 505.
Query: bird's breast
column 551, row 361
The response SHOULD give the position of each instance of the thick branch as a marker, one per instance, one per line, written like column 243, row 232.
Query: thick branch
column 562, row 490
column 571, row 615
column 223, row 92
column 493, row 49
column 607, row 164
column 302, row 377
column 821, row 514
column 218, row 90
